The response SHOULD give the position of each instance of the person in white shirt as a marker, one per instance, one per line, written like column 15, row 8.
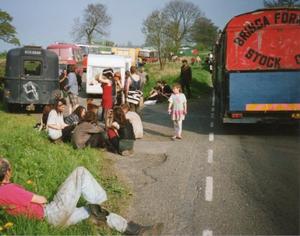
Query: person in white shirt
column 55, row 122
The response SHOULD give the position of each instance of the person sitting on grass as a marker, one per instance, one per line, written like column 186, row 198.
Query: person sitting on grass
column 88, row 133
column 76, row 116
column 57, row 129
column 62, row 211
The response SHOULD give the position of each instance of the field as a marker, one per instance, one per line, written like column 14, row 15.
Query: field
column 201, row 81
column 41, row 166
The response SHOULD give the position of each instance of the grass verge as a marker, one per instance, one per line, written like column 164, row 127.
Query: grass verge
column 41, row 167
column 201, row 82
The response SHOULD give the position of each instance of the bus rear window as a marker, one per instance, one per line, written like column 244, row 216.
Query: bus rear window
column 32, row 68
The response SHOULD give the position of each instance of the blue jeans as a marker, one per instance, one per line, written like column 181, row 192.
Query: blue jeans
column 63, row 210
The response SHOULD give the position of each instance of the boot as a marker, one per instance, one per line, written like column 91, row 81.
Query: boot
column 98, row 212
column 137, row 229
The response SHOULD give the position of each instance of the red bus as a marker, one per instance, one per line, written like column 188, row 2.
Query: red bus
column 68, row 54
column 257, row 67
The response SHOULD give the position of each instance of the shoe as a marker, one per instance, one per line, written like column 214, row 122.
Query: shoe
column 137, row 229
column 179, row 137
column 173, row 138
column 98, row 212
column 153, row 230
column 127, row 153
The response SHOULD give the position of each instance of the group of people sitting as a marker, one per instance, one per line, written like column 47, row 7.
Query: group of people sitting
column 160, row 93
column 82, row 127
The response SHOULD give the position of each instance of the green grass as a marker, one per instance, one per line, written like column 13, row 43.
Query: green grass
column 47, row 165
column 201, row 82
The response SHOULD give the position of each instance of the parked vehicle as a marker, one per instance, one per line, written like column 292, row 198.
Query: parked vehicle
column 257, row 67
column 68, row 54
column 148, row 55
column 31, row 77
column 97, row 63
column 131, row 53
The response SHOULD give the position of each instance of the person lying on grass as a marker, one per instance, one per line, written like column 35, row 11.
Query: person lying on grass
column 62, row 211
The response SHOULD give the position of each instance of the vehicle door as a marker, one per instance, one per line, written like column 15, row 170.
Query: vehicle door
column 33, row 87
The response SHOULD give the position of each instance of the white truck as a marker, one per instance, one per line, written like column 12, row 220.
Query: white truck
column 97, row 63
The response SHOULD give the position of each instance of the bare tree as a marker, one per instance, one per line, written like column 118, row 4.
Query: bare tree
column 93, row 25
column 155, row 28
column 181, row 16
column 281, row 3
column 7, row 30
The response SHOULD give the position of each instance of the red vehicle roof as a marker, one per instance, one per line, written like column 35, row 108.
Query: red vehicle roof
column 62, row 45
column 267, row 39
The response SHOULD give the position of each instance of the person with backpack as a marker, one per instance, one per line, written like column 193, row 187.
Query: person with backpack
column 135, row 94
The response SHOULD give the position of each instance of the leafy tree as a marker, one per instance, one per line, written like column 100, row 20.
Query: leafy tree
column 180, row 16
column 93, row 25
column 7, row 31
column 281, row 3
column 204, row 32
column 155, row 28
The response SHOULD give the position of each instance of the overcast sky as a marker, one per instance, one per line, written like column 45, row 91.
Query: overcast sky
column 42, row 22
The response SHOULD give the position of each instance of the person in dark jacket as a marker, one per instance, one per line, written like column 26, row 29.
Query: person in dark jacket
column 121, row 133
column 186, row 77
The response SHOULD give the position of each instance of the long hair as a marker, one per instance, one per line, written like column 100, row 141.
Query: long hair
column 57, row 101
column 78, row 111
column 119, row 116
column 4, row 167
column 90, row 117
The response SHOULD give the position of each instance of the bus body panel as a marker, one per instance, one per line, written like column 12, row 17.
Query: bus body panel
column 264, row 91
column 264, row 40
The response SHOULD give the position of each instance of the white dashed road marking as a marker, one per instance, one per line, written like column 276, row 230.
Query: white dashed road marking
column 210, row 158
column 207, row 233
column 211, row 124
column 211, row 137
column 209, row 189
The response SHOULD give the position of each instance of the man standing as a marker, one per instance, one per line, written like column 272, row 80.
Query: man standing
column 72, row 88
column 186, row 77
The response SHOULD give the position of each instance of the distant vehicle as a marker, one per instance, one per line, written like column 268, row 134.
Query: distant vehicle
column 97, row 63
column 257, row 67
column 127, row 52
column 148, row 55
column 31, row 77
column 94, row 49
column 68, row 54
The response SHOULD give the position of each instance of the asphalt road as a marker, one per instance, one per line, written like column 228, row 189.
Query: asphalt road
column 236, row 180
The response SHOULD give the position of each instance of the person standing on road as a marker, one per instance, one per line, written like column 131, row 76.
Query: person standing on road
column 177, row 109
column 134, row 96
column 186, row 77
column 106, row 81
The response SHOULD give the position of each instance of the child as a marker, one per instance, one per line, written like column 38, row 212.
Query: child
column 177, row 109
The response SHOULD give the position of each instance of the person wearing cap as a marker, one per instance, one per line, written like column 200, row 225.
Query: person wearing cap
column 62, row 211
column 107, row 82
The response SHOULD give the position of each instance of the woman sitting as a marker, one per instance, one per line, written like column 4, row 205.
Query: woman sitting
column 76, row 116
column 120, row 132
column 57, row 129
column 88, row 133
